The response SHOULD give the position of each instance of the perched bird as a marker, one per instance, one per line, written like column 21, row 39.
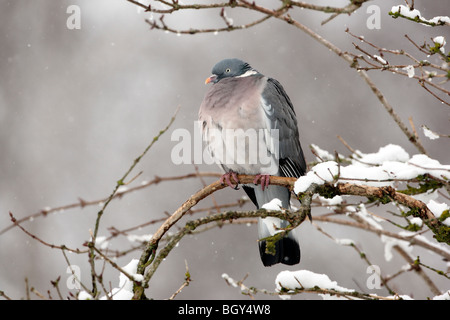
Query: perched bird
column 249, row 126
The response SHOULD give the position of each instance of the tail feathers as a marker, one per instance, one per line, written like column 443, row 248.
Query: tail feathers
column 287, row 251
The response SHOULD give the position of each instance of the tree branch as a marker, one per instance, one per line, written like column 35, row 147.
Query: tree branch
column 150, row 259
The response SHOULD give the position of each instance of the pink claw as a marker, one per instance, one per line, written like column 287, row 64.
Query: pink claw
column 264, row 178
column 225, row 179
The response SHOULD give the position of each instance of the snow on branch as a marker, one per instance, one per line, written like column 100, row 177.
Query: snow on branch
column 376, row 176
column 412, row 14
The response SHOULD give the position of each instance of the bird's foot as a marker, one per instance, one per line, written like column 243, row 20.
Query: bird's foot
column 264, row 179
column 225, row 179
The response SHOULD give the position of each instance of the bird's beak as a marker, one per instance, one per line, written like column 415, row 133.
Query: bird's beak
column 212, row 79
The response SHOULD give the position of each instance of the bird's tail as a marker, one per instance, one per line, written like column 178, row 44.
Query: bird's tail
column 285, row 250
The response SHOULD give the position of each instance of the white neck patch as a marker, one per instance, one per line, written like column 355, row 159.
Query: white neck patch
column 248, row 73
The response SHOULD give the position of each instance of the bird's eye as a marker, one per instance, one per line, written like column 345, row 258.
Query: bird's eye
column 228, row 70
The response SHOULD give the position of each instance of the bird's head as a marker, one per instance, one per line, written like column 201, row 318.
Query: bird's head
column 230, row 68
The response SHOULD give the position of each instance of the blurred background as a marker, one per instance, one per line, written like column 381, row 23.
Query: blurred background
column 78, row 106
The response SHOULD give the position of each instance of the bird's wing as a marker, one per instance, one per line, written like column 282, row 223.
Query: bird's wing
column 279, row 116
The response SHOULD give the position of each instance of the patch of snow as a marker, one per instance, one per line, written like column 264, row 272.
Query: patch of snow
column 344, row 242
column 139, row 238
column 390, row 152
column 380, row 59
column 319, row 174
column 125, row 289
column 413, row 14
column 323, row 154
column 390, row 243
column 410, row 71
column 444, row 296
column 438, row 209
column 300, row 279
column 83, row 295
column 275, row 205
column 429, row 134
column 417, row 221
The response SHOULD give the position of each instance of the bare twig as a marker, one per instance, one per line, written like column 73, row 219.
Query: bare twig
column 119, row 183
column 120, row 193
column 187, row 280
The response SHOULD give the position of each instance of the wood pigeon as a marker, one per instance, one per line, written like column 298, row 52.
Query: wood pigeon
column 249, row 126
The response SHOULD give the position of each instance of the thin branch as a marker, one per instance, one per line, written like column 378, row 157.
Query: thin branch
column 53, row 246
column 418, row 18
column 293, row 217
column 301, row 289
column 187, row 280
column 423, row 79
column 119, row 183
column 119, row 194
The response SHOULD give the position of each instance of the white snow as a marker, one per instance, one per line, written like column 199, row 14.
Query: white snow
column 405, row 11
column 438, row 209
column 83, row 295
column 274, row 204
column 229, row 280
column 358, row 174
column 380, row 59
column 417, row 221
column 322, row 154
column 301, row 279
column 344, row 242
column 319, row 174
column 101, row 242
column 440, row 20
column 444, row 296
column 401, row 296
column 410, row 71
column 429, row 134
column 375, row 169
column 390, row 243
column 229, row 21
column 440, row 40
column 122, row 189
column 335, row 201
column 139, row 238
column 426, row 165
column 233, row 282
column 381, row 168
column 125, row 289
column 413, row 14
column 390, row 152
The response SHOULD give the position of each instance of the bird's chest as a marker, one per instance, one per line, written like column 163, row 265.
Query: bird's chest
column 239, row 108
column 235, row 131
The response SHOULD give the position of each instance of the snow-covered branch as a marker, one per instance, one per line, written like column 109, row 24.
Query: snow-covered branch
column 329, row 180
column 412, row 14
